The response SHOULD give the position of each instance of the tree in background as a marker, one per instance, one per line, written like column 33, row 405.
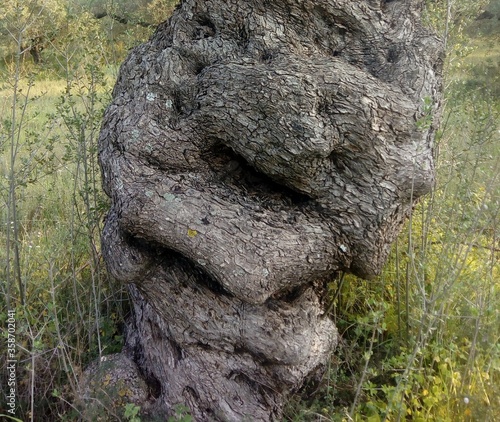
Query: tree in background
column 34, row 24
column 48, row 25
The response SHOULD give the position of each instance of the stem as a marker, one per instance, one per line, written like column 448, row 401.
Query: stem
column 447, row 26
column 365, row 371
column 398, row 291
column 66, row 360
column 12, row 217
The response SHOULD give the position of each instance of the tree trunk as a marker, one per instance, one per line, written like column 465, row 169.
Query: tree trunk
column 252, row 150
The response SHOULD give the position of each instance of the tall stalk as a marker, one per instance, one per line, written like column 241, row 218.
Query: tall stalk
column 13, row 270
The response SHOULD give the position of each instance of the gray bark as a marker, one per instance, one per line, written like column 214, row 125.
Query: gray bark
column 252, row 150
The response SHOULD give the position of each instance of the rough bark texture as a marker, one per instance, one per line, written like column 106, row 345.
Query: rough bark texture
column 253, row 149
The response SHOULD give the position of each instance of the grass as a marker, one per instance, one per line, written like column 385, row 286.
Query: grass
column 422, row 342
column 481, row 71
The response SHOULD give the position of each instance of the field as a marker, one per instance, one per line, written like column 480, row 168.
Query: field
column 420, row 343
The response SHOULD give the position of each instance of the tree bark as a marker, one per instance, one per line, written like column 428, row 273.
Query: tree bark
column 252, row 150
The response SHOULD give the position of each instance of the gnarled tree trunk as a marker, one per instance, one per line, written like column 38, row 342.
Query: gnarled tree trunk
column 252, row 150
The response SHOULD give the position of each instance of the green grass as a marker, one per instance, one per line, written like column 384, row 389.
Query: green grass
column 480, row 72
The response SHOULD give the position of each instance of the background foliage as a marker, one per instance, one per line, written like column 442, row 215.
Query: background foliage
column 419, row 343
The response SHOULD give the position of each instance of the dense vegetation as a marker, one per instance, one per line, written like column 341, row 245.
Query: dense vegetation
column 421, row 342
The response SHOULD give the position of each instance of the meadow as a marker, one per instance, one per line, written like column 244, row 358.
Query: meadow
column 421, row 342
